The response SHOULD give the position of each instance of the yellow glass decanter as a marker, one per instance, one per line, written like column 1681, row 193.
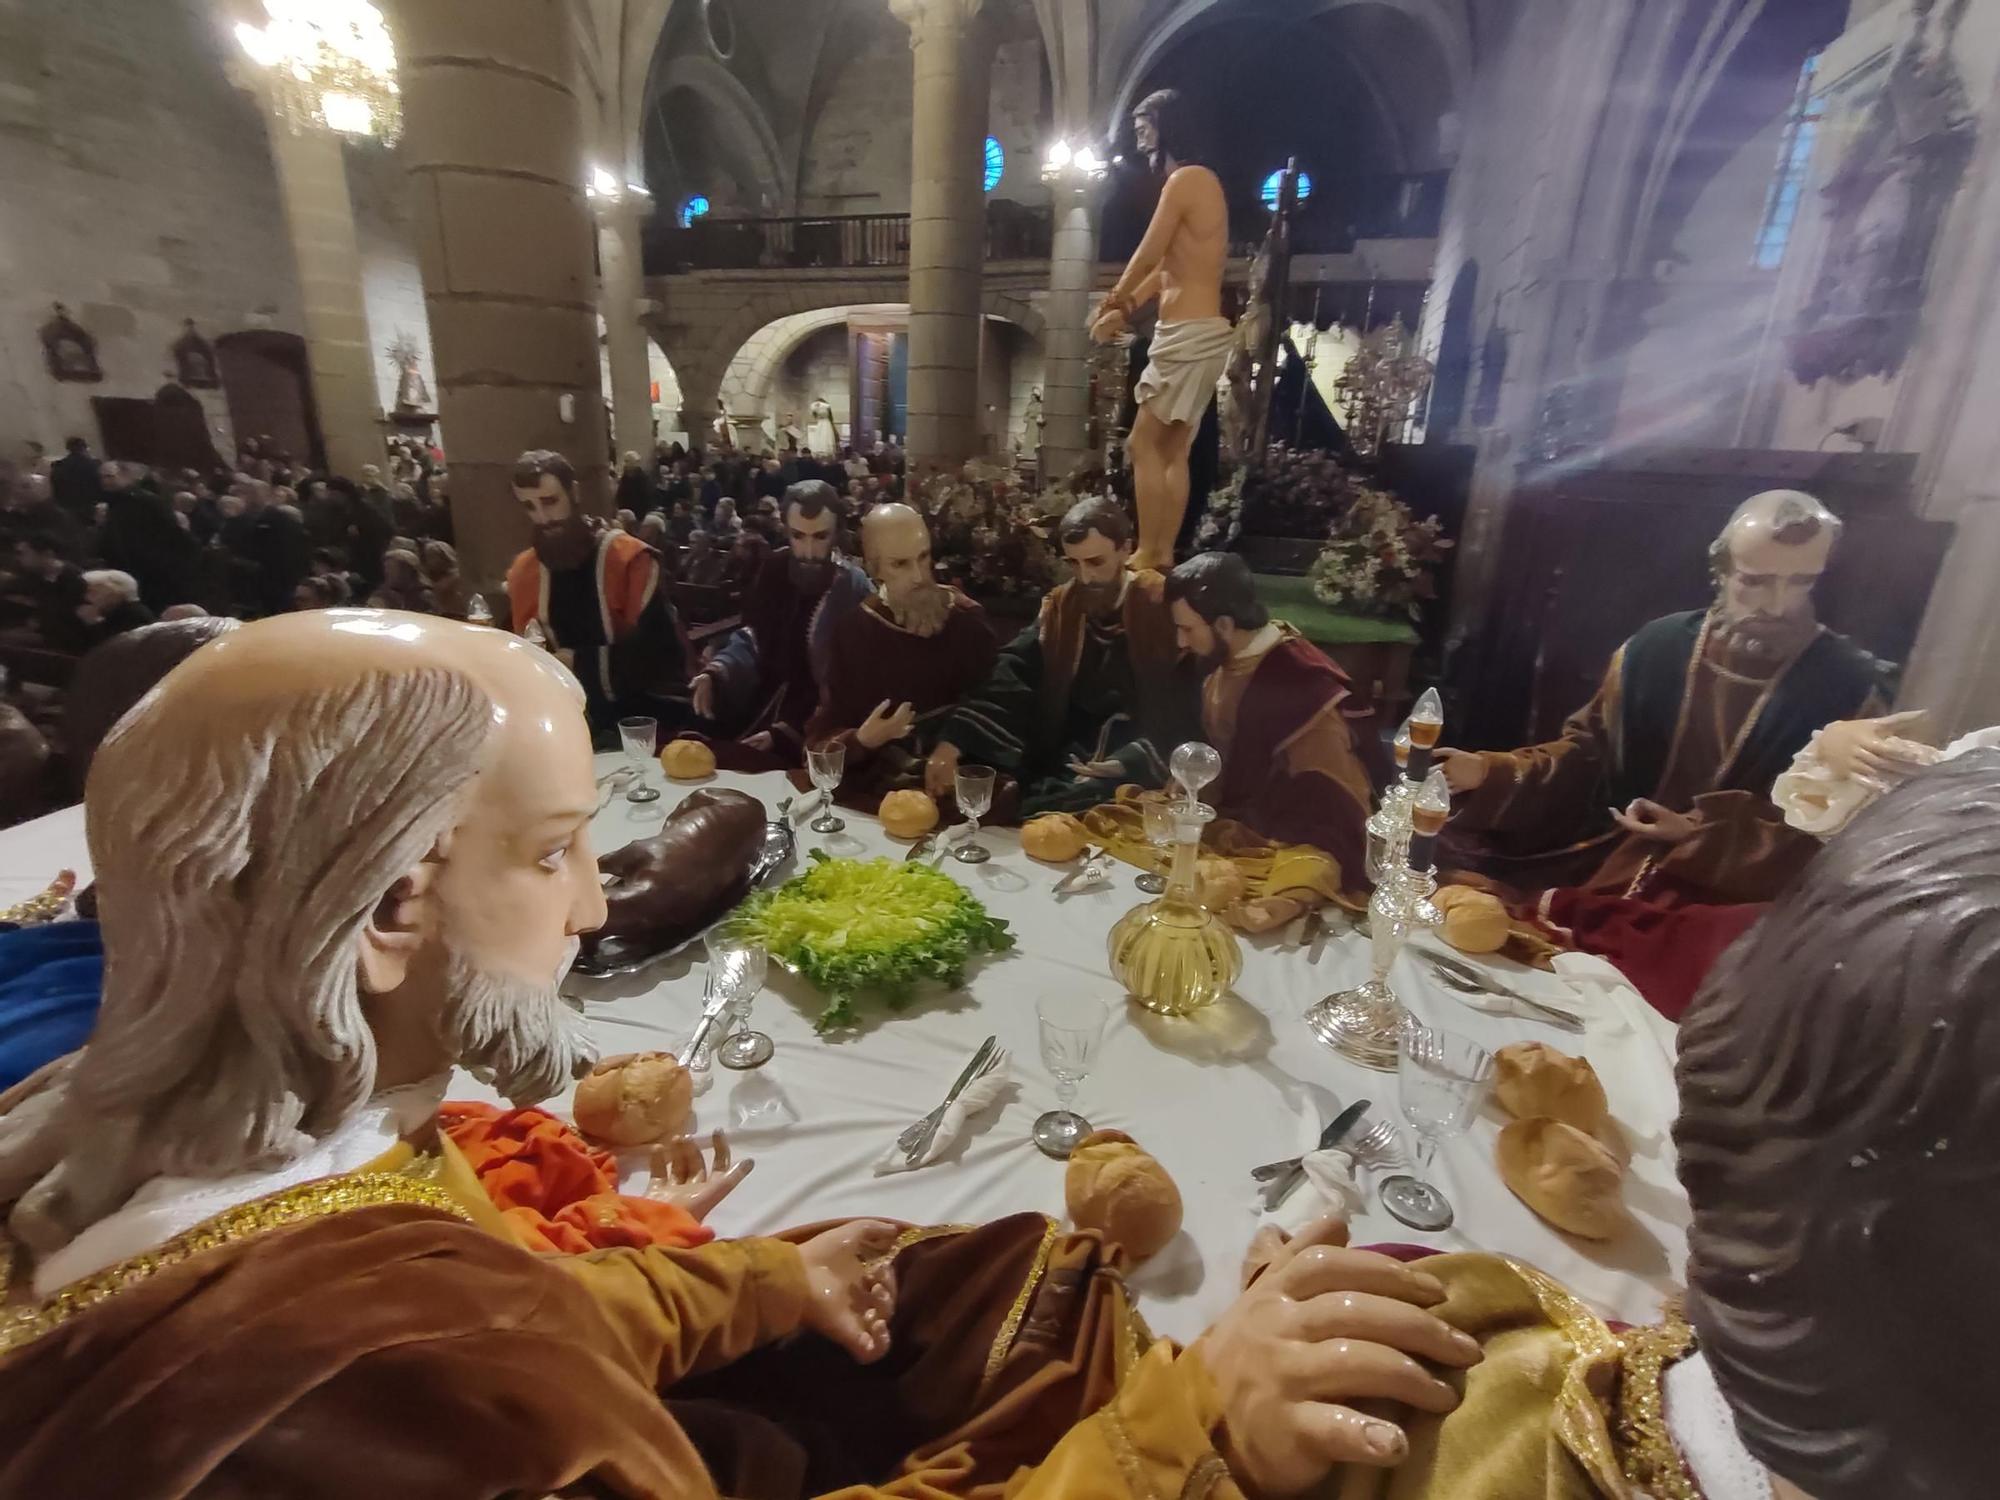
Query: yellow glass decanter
column 1172, row 954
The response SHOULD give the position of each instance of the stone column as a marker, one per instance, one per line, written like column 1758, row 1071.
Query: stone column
column 953, row 61
column 1066, row 340
column 494, row 140
column 312, row 179
column 621, row 275
column 1954, row 670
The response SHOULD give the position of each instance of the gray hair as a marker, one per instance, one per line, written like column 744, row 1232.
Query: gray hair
column 238, row 854
column 121, row 583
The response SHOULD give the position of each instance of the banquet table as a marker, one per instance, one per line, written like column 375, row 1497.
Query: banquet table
column 1211, row 1096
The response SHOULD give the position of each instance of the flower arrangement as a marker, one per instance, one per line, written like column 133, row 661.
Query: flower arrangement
column 1379, row 559
column 1297, row 492
column 1222, row 523
column 990, row 535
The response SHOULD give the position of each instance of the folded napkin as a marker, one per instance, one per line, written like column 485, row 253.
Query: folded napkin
column 980, row 1097
column 1330, row 1188
column 1594, row 986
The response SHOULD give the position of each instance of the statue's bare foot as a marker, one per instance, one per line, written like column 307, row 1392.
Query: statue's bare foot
column 1144, row 560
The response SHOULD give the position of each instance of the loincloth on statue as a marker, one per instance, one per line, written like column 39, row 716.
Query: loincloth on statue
column 1183, row 365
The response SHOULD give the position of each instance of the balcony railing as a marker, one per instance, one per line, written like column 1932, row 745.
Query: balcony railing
column 828, row 241
column 1386, row 208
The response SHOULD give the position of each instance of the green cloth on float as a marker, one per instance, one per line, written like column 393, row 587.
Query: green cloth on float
column 1291, row 598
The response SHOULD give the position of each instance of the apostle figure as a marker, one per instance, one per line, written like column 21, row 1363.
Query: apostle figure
column 598, row 596
column 791, row 437
column 822, row 437
column 247, row 1261
column 1180, row 261
column 1660, row 785
column 1296, row 748
column 765, row 681
column 721, row 428
column 1093, row 695
column 900, row 661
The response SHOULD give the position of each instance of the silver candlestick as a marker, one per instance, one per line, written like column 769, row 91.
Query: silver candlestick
column 1366, row 1022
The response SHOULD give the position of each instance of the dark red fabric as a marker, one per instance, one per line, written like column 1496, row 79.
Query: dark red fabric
column 1665, row 944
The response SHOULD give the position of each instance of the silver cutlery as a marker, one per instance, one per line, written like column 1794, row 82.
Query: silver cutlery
column 712, row 1007
column 916, row 1140
column 1468, row 983
column 1283, row 1177
column 1315, row 934
column 1086, row 873
column 919, row 849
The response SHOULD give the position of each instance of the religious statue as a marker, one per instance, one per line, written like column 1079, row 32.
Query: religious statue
column 1660, row 785
column 596, row 594
column 236, row 1219
column 1885, row 204
column 1032, row 422
column 764, row 683
column 1180, row 261
column 723, row 430
column 900, row 662
column 412, row 394
column 1093, row 695
column 1296, row 747
column 68, row 348
column 791, row 437
column 194, row 360
column 822, row 437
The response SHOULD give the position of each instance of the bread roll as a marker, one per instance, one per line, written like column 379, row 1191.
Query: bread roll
column 1115, row 1188
column 634, row 1099
column 1054, row 838
column 1566, row 1177
column 908, row 814
column 687, row 760
column 1219, row 885
column 1474, row 921
column 1533, row 1078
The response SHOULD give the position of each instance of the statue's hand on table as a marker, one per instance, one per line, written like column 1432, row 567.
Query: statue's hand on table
column 682, row 1176
column 1647, row 819
column 851, row 1286
column 941, row 770
column 1320, row 1326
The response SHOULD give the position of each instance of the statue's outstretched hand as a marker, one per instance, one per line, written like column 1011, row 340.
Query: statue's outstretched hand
column 1321, row 1326
column 681, row 1176
column 851, row 1287
column 1464, row 771
column 941, row 770
column 1647, row 819
column 1873, row 748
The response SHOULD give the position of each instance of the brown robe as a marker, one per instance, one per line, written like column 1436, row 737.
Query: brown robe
column 395, row 1349
column 1295, row 750
column 1544, row 810
column 875, row 659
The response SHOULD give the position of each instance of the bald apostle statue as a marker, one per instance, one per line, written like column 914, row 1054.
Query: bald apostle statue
column 1180, row 261
column 245, row 1261
column 1093, row 695
column 1297, row 749
column 1660, row 785
column 899, row 662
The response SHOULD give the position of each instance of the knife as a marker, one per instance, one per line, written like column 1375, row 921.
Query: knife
column 1289, row 1174
column 919, row 849
column 1091, row 855
column 930, row 1134
column 714, row 1003
column 1315, row 935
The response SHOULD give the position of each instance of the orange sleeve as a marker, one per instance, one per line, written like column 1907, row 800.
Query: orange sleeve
column 524, row 590
column 631, row 578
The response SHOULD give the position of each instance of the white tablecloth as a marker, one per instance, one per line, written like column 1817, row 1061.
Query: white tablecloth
column 1211, row 1097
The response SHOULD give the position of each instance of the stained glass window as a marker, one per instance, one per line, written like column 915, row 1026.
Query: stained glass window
column 1270, row 194
column 693, row 209
column 1788, row 182
column 996, row 164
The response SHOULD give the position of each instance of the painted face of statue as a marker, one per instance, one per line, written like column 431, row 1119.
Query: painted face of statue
column 562, row 537
column 1766, row 605
column 1099, row 566
column 897, row 544
column 811, row 541
column 1197, row 636
column 1146, row 131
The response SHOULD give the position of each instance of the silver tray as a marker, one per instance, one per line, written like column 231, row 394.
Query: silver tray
column 620, row 956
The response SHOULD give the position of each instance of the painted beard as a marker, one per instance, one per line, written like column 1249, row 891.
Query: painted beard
column 810, row 576
column 920, row 608
column 1766, row 638
column 1101, row 599
column 519, row 1036
column 563, row 545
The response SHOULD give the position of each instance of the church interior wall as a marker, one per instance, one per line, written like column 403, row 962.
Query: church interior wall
column 816, row 367
column 140, row 191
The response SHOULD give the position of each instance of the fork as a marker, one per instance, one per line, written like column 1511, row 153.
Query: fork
column 907, row 1141
column 1377, row 1141
column 1554, row 1015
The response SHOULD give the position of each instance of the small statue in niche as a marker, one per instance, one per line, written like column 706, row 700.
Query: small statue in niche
column 412, row 394
column 194, row 360
column 69, row 349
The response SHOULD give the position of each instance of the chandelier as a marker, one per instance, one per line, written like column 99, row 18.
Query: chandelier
column 330, row 65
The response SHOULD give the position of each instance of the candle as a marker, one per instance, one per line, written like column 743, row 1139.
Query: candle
column 1426, row 727
column 1427, row 819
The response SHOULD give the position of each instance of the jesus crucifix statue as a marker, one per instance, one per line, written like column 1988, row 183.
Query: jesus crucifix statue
column 1180, row 261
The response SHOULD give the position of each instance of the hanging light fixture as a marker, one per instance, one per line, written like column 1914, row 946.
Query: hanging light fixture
column 330, row 65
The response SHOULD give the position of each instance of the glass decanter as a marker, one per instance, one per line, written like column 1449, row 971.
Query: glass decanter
column 1172, row 954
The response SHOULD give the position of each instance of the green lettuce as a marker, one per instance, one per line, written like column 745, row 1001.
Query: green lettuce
column 878, row 927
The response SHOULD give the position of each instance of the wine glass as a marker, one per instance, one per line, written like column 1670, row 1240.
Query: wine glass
column 641, row 738
column 738, row 965
column 1072, row 1026
column 1158, row 808
column 1194, row 766
column 827, row 763
column 1444, row 1080
column 975, row 796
